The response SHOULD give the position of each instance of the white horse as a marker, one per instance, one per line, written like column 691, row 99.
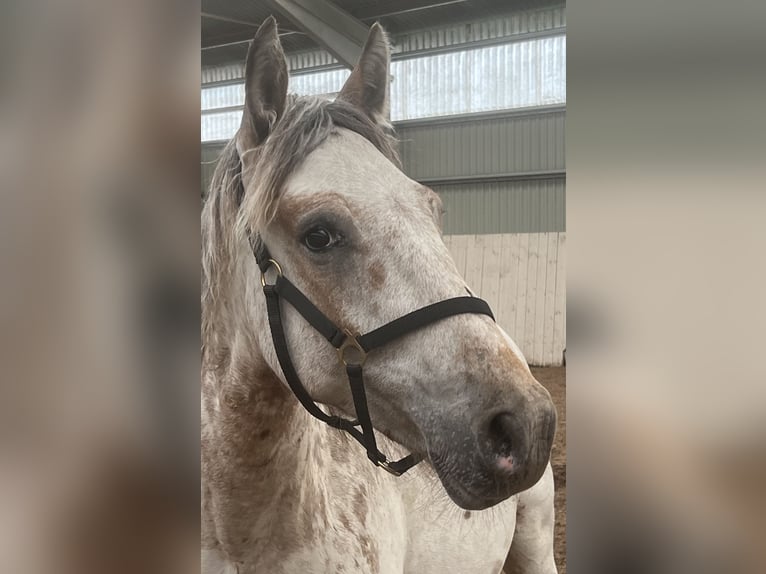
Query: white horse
column 284, row 493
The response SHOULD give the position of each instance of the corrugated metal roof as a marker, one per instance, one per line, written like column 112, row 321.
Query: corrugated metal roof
column 502, row 76
column 520, row 24
column 227, row 25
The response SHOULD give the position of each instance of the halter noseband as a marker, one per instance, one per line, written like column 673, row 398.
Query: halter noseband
column 352, row 350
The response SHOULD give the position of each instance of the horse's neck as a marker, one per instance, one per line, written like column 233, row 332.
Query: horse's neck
column 258, row 448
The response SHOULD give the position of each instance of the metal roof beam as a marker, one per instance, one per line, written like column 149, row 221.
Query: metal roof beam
column 246, row 41
column 328, row 25
column 398, row 7
column 211, row 16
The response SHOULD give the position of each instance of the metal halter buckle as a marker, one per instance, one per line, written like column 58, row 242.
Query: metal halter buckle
column 385, row 466
column 351, row 342
column 277, row 267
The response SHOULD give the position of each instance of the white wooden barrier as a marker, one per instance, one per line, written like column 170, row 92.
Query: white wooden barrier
column 523, row 277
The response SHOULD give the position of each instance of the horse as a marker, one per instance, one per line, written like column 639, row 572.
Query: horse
column 311, row 190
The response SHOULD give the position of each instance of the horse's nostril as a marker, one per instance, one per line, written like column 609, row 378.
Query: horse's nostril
column 502, row 434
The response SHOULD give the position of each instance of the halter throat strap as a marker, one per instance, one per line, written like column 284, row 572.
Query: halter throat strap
column 352, row 350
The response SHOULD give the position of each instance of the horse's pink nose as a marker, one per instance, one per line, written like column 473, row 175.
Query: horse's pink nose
column 504, row 433
column 511, row 438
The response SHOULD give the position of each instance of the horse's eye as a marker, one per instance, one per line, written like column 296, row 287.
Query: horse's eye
column 318, row 239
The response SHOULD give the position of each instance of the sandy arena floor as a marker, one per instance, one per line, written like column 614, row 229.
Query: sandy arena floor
column 554, row 379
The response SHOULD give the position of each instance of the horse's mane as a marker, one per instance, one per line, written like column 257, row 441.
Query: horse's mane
column 230, row 210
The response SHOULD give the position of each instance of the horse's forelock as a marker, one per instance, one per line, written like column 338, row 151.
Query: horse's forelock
column 306, row 124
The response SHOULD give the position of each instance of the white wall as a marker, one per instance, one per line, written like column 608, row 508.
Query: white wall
column 522, row 276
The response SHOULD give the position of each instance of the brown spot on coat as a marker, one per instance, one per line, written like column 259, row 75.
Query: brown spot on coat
column 370, row 552
column 377, row 274
column 291, row 208
column 254, row 405
column 345, row 521
column 339, row 449
column 361, row 504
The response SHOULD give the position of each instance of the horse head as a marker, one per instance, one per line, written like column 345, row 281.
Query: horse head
column 323, row 189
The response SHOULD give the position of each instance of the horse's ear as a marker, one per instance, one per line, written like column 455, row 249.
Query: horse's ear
column 265, row 87
column 367, row 86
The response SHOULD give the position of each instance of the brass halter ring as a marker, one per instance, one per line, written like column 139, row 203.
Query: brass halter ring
column 277, row 268
column 351, row 342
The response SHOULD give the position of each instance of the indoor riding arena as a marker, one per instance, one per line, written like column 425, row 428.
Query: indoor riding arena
column 478, row 104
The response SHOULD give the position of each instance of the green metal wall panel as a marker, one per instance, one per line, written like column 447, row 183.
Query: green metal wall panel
column 504, row 143
column 531, row 206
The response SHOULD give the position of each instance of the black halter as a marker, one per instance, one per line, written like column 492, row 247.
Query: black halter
column 352, row 350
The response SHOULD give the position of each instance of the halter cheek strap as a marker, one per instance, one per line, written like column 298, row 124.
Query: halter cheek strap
column 352, row 350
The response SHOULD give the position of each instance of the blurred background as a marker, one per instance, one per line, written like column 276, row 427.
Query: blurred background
column 99, row 255
column 666, row 204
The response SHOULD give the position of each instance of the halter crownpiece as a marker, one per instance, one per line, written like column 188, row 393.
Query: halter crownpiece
column 352, row 349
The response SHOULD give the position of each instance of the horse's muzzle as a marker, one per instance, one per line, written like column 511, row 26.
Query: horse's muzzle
column 508, row 454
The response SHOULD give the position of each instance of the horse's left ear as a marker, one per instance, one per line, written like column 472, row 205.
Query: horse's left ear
column 367, row 86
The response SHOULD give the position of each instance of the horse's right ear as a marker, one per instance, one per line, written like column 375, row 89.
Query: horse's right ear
column 265, row 87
